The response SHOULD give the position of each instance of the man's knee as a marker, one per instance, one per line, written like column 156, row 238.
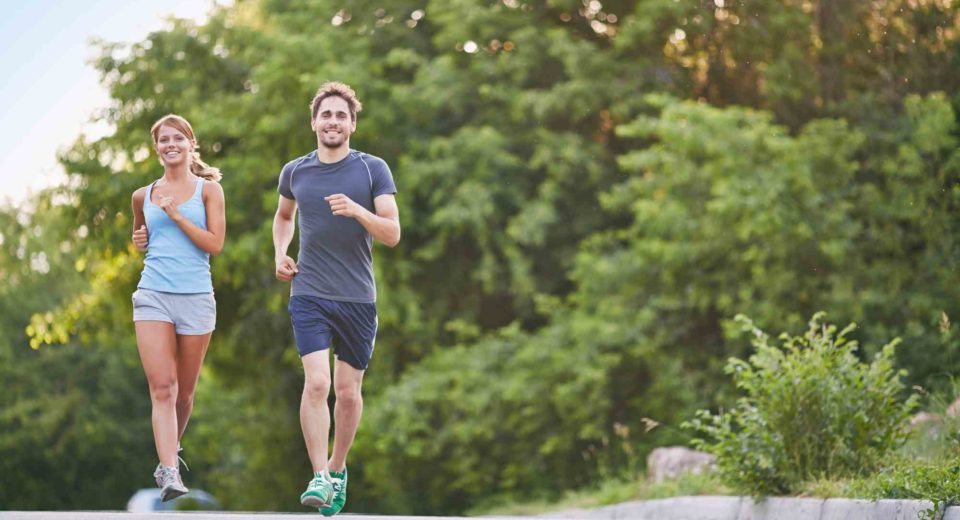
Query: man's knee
column 349, row 394
column 317, row 387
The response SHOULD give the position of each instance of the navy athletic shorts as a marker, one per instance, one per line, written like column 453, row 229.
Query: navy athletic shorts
column 349, row 327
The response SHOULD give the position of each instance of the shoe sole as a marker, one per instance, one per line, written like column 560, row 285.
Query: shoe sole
column 167, row 494
column 312, row 501
column 327, row 512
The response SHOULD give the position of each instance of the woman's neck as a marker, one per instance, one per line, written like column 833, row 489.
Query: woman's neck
column 177, row 175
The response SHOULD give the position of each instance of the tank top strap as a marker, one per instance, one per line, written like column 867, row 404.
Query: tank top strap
column 197, row 193
column 150, row 192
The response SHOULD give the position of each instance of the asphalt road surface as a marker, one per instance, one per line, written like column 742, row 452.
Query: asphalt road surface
column 118, row 515
column 122, row 515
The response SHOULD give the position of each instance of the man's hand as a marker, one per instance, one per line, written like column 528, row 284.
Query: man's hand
column 140, row 238
column 286, row 268
column 341, row 205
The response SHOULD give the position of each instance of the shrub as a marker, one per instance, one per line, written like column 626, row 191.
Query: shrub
column 912, row 479
column 812, row 409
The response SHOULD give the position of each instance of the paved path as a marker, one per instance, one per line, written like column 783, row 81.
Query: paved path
column 679, row 508
column 115, row 515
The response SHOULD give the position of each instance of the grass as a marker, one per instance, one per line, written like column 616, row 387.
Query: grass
column 927, row 467
column 607, row 493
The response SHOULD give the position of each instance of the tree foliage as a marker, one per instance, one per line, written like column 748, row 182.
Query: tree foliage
column 589, row 193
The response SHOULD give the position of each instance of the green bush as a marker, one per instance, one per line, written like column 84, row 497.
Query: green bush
column 911, row 479
column 812, row 410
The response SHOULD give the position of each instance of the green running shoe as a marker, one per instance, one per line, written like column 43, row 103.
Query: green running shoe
column 319, row 492
column 339, row 493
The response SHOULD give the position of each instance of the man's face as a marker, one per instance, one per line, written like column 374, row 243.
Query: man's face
column 333, row 123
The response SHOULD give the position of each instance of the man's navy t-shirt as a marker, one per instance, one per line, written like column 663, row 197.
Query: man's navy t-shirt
column 335, row 260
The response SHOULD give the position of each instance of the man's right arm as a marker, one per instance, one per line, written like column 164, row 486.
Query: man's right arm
column 283, row 223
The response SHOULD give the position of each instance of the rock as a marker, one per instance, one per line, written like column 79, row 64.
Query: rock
column 924, row 420
column 670, row 462
column 954, row 409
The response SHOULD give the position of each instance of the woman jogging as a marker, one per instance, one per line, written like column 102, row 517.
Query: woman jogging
column 179, row 221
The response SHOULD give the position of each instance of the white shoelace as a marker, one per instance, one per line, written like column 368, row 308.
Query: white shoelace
column 166, row 476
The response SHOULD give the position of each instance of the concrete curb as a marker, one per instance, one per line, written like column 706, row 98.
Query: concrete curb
column 746, row 508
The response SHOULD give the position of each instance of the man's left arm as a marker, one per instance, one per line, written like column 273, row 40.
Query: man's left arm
column 384, row 225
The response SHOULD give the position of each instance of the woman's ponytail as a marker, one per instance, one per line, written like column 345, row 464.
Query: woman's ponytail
column 202, row 169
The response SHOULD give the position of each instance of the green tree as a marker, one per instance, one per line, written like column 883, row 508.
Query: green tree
column 548, row 202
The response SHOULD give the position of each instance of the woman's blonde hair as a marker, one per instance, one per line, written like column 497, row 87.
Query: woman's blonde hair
column 197, row 166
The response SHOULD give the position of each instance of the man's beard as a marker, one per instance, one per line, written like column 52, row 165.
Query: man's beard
column 333, row 144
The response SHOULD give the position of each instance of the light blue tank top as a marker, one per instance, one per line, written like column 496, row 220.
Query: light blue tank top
column 174, row 263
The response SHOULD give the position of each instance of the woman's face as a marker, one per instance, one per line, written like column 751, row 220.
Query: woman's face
column 173, row 147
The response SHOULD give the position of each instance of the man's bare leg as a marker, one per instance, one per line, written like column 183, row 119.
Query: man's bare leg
column 347, row 411
column 314, row 411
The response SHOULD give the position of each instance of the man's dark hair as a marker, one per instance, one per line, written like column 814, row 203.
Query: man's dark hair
column 342, row 90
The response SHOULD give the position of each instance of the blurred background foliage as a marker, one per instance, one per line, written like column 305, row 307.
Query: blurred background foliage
column 589, row 191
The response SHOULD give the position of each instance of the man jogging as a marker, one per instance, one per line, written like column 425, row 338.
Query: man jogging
column 346, row 200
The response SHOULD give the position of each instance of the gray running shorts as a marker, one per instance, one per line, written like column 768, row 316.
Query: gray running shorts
column 190, row 314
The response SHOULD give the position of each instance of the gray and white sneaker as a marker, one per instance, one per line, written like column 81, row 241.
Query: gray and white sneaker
column 169, row 482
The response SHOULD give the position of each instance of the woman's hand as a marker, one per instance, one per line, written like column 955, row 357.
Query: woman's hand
column 169, row 207
column 140, row 238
